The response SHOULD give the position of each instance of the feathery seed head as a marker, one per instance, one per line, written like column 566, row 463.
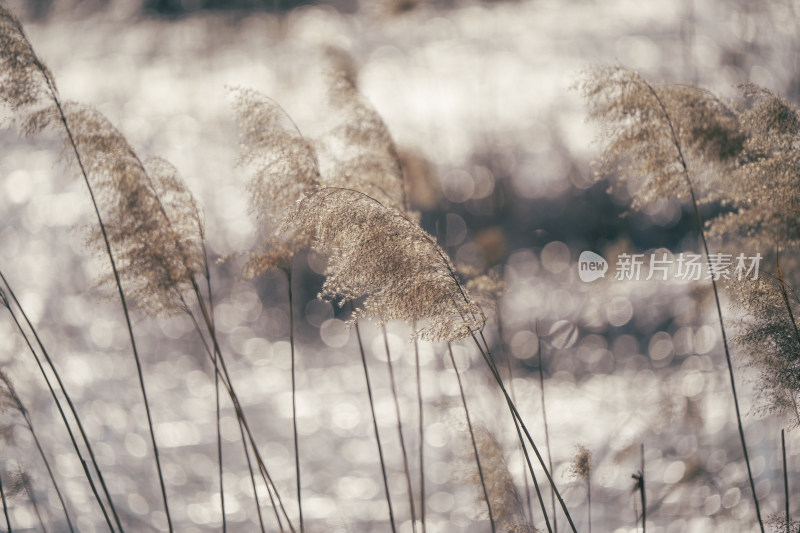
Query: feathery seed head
column 768, row 336
column 284, row 168
column 762, row 189
column 23, row 77
column 152, row 221
column 486, row 289
column 8, row 396
column 581, row 466
column 654, row 133
column 378, row 253
column 504, row 498
column 365, row 157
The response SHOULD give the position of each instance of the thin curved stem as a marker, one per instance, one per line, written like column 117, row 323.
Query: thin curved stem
column 375, row 424
column 485, row 353
column 294, row 398
column 472, row 438
column 785, row 481
column 123, row 301
column 421, row 437
column 699, row 219
column 252, row 479
column 400, row 430
column 544, row 418
column 510, row 373
column 56, row 400
column 527, row 461
column 242, row 421
column 643, row 494
column 5, row 505
column 17, row 404
column 219, row 446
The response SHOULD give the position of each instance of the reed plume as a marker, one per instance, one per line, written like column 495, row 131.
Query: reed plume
column 379, row 254
column 505, row 500
column 666, row 136
column 581, row 468
column 764, row 208
column 769, row 337
column 283, row 169
column 364, row 154
column 366, row 161
column 40, row 105
column 24, row 79
column 655, row 135
column 151, row 219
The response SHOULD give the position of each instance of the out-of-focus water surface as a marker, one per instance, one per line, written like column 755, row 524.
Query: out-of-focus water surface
column 485, row 92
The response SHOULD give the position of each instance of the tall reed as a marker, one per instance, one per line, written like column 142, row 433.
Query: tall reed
column 27, row 83
column 477, row 454
column 669, row 134
column 283, row 166
column 7, row 304
column 375, row 423
column 9, row 398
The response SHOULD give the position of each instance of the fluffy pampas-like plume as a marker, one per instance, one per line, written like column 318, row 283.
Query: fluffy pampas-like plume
column 364, row 156
column 376, row 252
column 653, row 133
column 504, row 498
column 24, row 79
column 152, row 221
column 283, row 169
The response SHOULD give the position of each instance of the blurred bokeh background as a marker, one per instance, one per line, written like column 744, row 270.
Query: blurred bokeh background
column 480, row 99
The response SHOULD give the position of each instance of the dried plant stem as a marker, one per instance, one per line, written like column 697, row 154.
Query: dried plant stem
column 406, row 469
column 589, row 499
column 226, row 381
column 472, row 437
column 60, row 408
column 642, row 492
column 5, row 505
column 700, row 227
column 207, row 276
column 36, row 441
column 216, row 359
column 525, row 455
column 544, row 418
column 222, row 372
column 509, row 371
column 137, row 359
column 786, row 481
column 536, row 487
column 252, row 479
column 421, row 437
column 219, row 446
column 486, row 354
column 375, row 423
column 529, row 464
column 294, row 397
